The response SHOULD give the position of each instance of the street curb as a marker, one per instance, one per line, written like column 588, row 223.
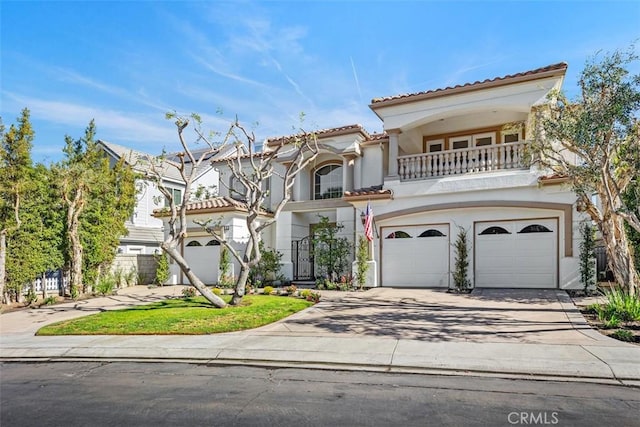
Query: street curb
column 335, row 366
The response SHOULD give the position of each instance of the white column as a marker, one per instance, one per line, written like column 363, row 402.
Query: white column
column 347, row 174
column 393, row 152
column 283, row 242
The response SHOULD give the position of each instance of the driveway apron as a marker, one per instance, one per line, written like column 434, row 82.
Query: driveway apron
column 486, row 315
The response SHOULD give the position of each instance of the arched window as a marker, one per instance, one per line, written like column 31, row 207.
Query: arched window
column 432, row 233
column 327, row 182
column 194, row 243
column 535, row 228
column 494, row 230
column 213, row 243
column 398, row 235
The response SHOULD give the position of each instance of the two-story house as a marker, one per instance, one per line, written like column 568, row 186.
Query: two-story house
column 448, row 158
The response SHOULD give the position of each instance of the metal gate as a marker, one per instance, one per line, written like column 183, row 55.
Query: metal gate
column 302, row 257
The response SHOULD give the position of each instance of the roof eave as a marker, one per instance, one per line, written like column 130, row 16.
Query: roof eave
column 558, row 72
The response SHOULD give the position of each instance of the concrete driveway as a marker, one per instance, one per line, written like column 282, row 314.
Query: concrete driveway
column 485, row 315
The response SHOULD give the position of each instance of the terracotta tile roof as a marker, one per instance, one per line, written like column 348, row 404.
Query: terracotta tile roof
column 369, row 192
column 325, row 133
column 375, row 137
column 210, row 205
column 553, row 179
column 496, row 81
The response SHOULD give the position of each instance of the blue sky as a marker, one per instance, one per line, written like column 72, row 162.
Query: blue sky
column 126, row 63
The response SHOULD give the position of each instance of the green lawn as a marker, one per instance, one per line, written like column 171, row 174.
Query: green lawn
column 192, row 316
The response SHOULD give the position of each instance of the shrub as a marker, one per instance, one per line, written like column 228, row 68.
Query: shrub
column 623, row 335
column 188, row 292
column 611, row 322
column 587, row 248
column 362, row 264
column 162, row 270
column 31, row 296
column 461, row 248
column 291, row 289
column 131, row 276
column 313, row 296
column 268, row 290
column 106, row 285
column 50, row 300
column 268, row 269
column 623, row 305
column 331, row 253
column 305, row 293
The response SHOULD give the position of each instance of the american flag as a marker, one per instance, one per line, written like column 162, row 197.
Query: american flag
column 368, row 223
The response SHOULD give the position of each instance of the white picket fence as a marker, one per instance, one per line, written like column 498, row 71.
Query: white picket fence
column 53, row 281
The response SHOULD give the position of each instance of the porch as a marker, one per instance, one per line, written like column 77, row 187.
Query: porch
column 462, row 161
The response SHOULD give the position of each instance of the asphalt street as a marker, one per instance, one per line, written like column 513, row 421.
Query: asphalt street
column 181, row 394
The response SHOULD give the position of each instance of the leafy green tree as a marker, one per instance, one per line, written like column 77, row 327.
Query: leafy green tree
column 331, row 253
column 595, row 142
column 15, row 170
column 97, row 200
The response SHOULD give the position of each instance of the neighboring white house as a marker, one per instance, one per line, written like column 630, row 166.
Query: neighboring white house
column 145, row 232
column 448, row 158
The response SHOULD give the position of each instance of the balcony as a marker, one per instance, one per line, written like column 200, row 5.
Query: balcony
column 463, row 161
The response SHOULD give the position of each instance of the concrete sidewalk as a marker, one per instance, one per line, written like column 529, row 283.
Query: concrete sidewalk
column 590, row 358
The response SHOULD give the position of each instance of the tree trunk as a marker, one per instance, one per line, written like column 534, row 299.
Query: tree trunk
column 73, row 213
column 197, row 283
column 44, row 286
column 618, row 253
column 239, row 291
column 3, row 263
column 76, row 258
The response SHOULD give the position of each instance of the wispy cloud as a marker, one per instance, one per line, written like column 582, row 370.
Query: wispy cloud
column 115, row 124
column 355, row 77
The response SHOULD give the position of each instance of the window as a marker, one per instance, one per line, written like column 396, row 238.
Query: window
column 213, row 243
column 510, row 137
column 432, row 233
column 328, row 182
column 456, row 145
column 399, row 235
column 494, row 230
column 483, row 139
column 176, row 194
column 237, row 189
column 194, row 243
column 435, row 145
column 535, row 228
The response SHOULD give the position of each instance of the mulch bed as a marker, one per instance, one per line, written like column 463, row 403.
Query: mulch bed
column 633, row 327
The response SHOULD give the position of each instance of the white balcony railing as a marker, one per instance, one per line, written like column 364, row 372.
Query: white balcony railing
column 457, row 162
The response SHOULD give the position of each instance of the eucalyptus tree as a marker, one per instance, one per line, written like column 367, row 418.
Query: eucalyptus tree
column 594, row 141
column 97, row 199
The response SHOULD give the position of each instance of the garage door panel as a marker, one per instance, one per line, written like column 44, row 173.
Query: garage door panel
column 516, row 259
column 416, row 261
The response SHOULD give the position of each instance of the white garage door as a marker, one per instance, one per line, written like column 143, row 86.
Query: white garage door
column 415, row 256
column 204, row 260
column 516, row 254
